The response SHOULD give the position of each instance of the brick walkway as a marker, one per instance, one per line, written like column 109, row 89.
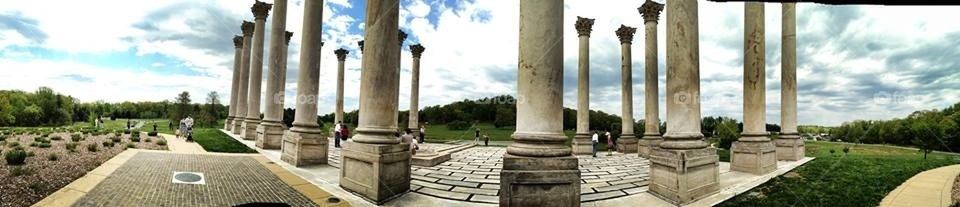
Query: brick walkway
column 928, row 188
column 146, row 180
column 473, row 175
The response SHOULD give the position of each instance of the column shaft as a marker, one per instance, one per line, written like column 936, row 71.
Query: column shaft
column 538, row 168
column 243, row 85
column 234, row 84
column 270, row 131
column 338, row 116
column 582, row 141
column 627, row 143
column 256, row 72
column 789, row 145
column 414, row 121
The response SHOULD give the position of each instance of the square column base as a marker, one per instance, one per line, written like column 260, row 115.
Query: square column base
column 790, row 148
column 582, row 144
column 378, row 173
column 533, row 181
column 627, row 144
column 269, row 135
column 228, row 123
column 303, row 147
column 237, row 126
column 684, row 176
column 249, row 129
column 753, row 157
column 646, row 145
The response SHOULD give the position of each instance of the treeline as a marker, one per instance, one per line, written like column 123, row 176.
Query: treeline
column 926, row 129
column 45, row 107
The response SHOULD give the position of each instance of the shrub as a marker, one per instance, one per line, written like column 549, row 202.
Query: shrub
column 115, row 139
column 13, row 144
column 162, row 142
column 15, row 157
column 30, row 154
column 44, row 145
column 72, row 147
column 75, row 137
column 135, row 134
column 126, row 131
column 53, row 157
column 458, row 125
column 148, row 140
column 832, row 151
column 34, row 144
column 92, row 147
column 107, row 143
column 56, row 138
column 846, row 150
column 41, row 140
column 131, row 145
column 135, row 139
column 18, row 171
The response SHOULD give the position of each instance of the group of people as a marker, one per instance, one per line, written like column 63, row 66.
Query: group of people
column 476, row 138
column 186, row 128
column 340, row 132
column 611, row 144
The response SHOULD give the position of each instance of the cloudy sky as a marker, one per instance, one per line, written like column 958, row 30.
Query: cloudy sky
column 854, row 62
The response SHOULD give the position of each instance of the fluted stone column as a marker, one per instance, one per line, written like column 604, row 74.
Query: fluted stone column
column 628, row 141
column 789, row 145
column 375, row 164
column 582, row 141
column 243, row 85
column 414, row 121
column 753, row 152
column 538, row 167
column 270, row 131
column 683, row 169
column 304, row 144
column 341, row 58
column 249, row 132
column 651, row 133
column 234, row 84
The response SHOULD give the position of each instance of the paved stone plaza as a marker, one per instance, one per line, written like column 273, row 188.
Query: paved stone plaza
column 146, row 180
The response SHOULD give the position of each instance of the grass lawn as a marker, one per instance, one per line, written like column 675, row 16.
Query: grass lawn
column 213, row 140
column 440, row 133
column 861, row 177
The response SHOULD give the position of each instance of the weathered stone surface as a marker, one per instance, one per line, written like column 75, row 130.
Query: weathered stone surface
column 651, row 135
column 414, row 112
column 270, row 131
column 539, row 181
column 683, row 176
column 582, row 142
column 304, row 144
column 789, row 145
column 303, row 148
column 753, row 152
column 252, row 120
column 235, row 83
column 270, row 135
column 376, row 172
column 243, row 85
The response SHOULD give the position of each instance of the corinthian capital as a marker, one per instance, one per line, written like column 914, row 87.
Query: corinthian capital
column 417, row 50
column 650, row 11
column 341, row 54
column 625, row 34
column 584, row 26
column 288, row 35
column 247, row 28
column 260, row 10
column 238, row 41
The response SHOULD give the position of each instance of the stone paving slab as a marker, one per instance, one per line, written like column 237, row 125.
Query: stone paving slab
column 146, row 180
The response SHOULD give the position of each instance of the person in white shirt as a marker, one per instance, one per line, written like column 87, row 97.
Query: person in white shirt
column 595, row 139
column 336, row 134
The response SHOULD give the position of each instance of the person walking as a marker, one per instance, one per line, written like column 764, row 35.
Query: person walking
column 337, row 128
column 486, row 140
column 345, row 132
column 423, row 134
column 476, row 136
column 595, row 138
column 610, row 144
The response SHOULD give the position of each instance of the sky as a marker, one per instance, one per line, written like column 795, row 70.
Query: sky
column 853, row 62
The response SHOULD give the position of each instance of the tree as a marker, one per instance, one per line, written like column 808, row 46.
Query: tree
column 209, row 113
column 727, row 132
column 181, row 108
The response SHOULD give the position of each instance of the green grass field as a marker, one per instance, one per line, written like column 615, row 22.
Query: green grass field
column 861, row 177
column 213, row 140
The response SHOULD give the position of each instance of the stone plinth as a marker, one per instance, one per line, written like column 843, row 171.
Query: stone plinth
column 377, row 172
column 790, row 147
column 683, row 176
column 648, row 143
column 583, row 144
column 304, row 147
column 269, row 135
column 429, row 158
column 627, row 143
column 533, row 181
column 753, row 157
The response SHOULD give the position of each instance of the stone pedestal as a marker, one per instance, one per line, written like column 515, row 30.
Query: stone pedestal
column 377, row 172
column 684, row 176
column 648, row 143
column 757, row 157
column 534, row 181
column 627, row 143
column 269, row 135
column 303, row 147
column 249, row 129
column 583, row 144
column 790, row 147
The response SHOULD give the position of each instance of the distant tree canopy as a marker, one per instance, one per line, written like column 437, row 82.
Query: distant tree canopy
column 925, row 129
column 48, row 108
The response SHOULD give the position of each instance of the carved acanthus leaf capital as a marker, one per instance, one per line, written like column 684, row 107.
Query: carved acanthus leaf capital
column 417, row 50
column 650, row 11
column 341, row 54
column 260, row 10
column 247, row 28
column 584, row 26
column 238, row 41
column 625, row 34
column 360, row 43
column 403, row 36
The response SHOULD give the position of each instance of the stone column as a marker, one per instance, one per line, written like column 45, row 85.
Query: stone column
column 753, row 152
column 651, row 133
column 375, row 164
column 341, row 58
column 304, row 144
column 270, row 131
column 789, row 145
column 414, row 121
column 628, row 141
column 683, row 169
column 582, row 141
column 234, row 85
column 250, row 124
column 243, row 85
column 283, row 78
column 538, row 167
